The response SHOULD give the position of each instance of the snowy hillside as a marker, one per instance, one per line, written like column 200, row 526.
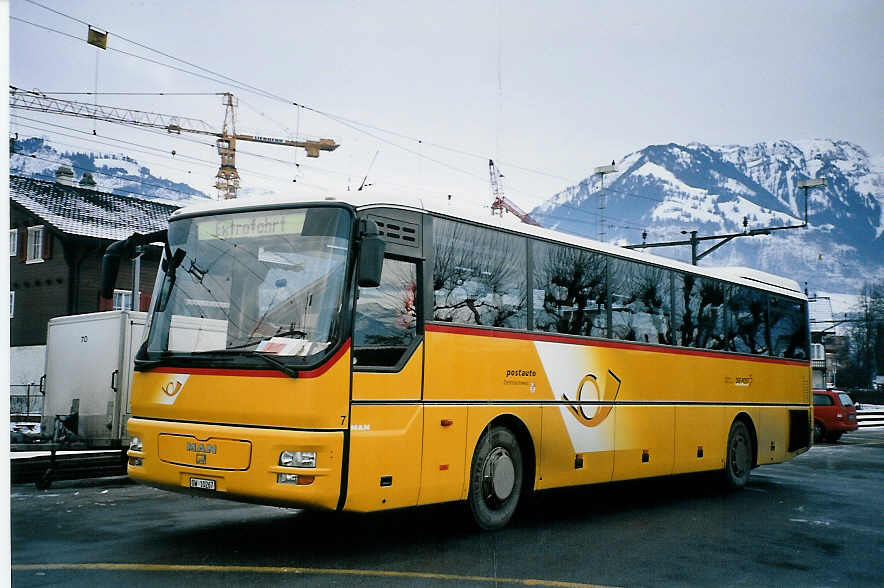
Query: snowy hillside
column 115, row 173
column 667, row 189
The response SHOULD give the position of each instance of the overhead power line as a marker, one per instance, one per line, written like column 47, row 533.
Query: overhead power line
column 90, row 138
column 48, row 93
column 348, row 122
column 353, row 124
column 167, row 55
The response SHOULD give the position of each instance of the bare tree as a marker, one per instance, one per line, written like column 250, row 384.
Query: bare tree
column 478, row 276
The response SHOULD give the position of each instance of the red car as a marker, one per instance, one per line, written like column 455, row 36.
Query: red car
column 833, row 415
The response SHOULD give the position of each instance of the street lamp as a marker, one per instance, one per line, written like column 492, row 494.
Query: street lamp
column 807, row 185
column 601, row 171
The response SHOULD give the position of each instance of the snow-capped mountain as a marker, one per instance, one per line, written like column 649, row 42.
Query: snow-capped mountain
column 115, row 173
column 667, row 189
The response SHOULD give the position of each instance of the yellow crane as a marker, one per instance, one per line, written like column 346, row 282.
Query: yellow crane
column 227, row 178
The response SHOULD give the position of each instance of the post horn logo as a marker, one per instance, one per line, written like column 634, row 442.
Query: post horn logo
column 172, row 388
column 603, row 404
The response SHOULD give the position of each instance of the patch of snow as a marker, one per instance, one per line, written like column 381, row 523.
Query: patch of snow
column 130, row 167
column 738, row 187
column 684, row 157
column 841, row 303
column 759, row 217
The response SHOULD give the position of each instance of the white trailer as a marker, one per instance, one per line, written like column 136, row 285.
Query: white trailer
column 89, row 363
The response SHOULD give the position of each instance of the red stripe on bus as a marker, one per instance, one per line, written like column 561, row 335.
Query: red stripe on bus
column 315, row 373
column 479, row 332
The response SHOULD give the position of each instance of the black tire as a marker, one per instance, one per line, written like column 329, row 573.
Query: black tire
column 496, row 478
column 833, row 437
column 44, row 481
column 819, row 432
column 738, row 459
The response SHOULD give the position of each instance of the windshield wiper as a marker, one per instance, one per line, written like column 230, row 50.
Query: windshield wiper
column 286, row 369
column 230, row 353
column 300, row 334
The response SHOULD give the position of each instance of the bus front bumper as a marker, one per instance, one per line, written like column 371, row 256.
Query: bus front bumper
column 238, row 463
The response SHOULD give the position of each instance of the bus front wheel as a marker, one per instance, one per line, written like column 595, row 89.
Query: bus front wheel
column 496, row 478
column 738, row 460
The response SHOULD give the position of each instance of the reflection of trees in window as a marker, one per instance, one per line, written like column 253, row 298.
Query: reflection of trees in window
column 572, row 282
column 746, row 320
column 700, row 315
column 788, row 328
column 640, row 302
column 386, row 316
column 479, row 276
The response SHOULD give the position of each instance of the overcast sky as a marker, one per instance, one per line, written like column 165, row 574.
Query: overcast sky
column 557, row 87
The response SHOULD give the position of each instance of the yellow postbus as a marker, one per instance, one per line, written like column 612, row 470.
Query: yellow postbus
column 363, row 356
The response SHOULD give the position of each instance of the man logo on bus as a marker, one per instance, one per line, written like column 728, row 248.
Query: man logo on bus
column 603, row 401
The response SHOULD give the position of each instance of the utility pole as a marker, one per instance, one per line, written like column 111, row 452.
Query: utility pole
column 135, row 303
column 694, row 240
column 601, row 171
column 807, row 185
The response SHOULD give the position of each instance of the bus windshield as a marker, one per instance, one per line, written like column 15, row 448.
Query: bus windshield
column 261, row 282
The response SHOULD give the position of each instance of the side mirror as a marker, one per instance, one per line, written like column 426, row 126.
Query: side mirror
column 371, row 255
column 174, row 260
column 110, row 267
column 110, row 263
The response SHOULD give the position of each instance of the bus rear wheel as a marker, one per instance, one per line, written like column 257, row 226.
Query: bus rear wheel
column 496, row 478
column 738, row 460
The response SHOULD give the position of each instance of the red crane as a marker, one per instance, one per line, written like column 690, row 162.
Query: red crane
column 502, row 203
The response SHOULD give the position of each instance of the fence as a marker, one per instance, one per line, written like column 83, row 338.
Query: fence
column 25, row 402
column 870, row 418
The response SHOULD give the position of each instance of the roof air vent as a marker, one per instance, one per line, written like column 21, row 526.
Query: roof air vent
column 64, row 176
column 87, row 181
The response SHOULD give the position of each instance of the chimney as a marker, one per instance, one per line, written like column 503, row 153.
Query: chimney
column 87, row 181
column 64, row 176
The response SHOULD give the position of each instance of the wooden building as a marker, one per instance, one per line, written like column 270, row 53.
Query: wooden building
column 57, row 236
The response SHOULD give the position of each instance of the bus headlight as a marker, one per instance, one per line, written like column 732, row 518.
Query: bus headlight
column 135, row 444
column 298, row 459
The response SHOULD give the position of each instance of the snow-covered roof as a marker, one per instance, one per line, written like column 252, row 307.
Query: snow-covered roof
column 821, row 317
column 88, row 213
column 482, row 214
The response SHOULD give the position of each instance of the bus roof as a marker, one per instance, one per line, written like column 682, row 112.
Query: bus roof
column 475, row 212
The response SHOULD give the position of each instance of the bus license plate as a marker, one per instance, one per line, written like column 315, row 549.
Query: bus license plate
column 202, row 484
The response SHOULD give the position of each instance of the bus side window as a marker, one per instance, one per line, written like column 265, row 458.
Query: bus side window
column 746, row 320
column 640, row 302
column 788, row 328
column 569, row 290
column 479, row 276
column 700, row 312
column 386, row 317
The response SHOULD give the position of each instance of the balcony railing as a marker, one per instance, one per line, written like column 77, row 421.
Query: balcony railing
column 25, row 402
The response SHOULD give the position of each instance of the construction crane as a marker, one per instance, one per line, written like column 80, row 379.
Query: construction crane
column 501, row 203
column 227, row 178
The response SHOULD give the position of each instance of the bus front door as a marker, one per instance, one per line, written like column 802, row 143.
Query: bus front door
column 386, row 419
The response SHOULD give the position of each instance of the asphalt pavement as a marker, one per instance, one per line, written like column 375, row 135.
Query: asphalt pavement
column 817, row 520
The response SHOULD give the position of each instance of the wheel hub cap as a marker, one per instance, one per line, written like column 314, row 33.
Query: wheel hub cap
column 500, row 471
column 740, row 456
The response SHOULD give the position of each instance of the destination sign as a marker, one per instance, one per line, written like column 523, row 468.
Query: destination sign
column 244, row 227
